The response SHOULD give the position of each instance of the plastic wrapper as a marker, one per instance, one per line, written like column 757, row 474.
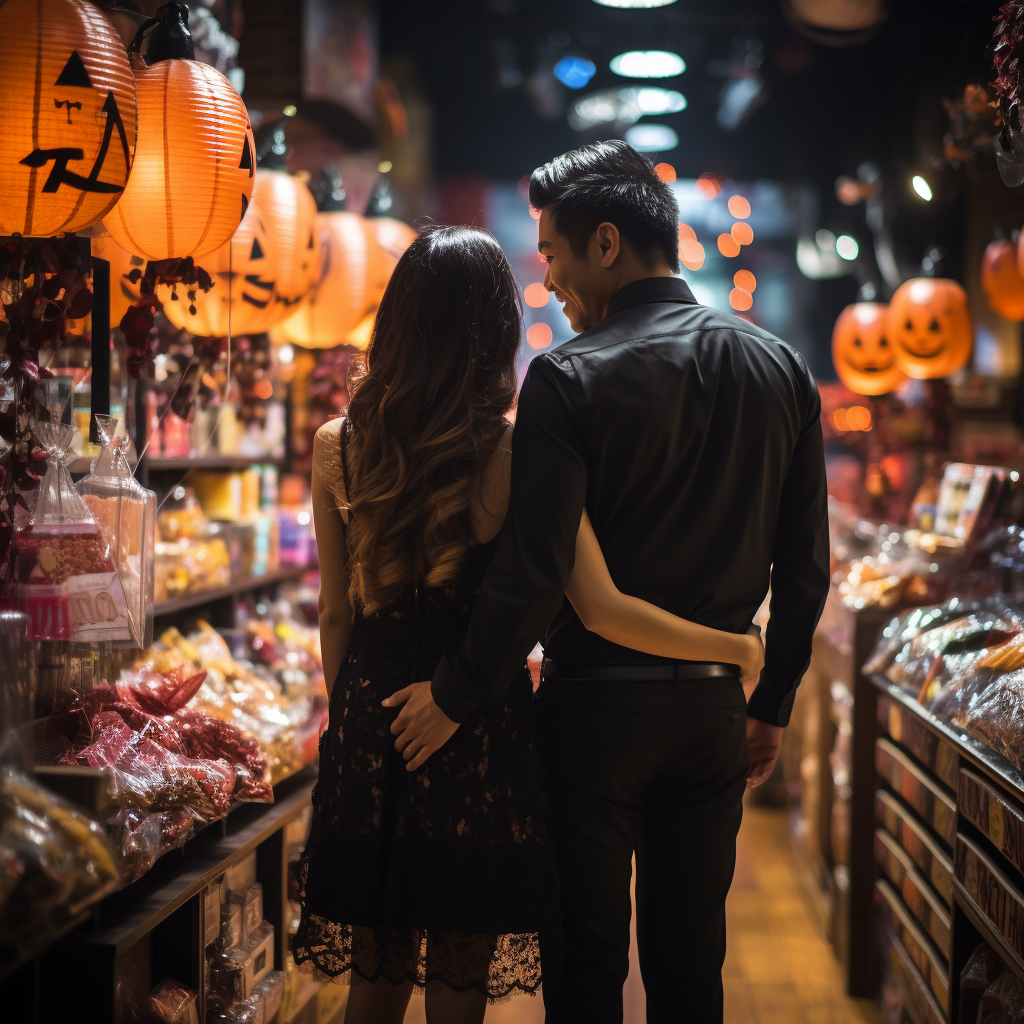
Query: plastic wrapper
column 1002, row 1002
column 232, row 925
column 995, row 717
column 271, row 991
column 54, row 861
column 126, row 514
column 61, row 574
column 173, row 1003
column 235, row 972
column 18, row 692
column 904, row 628
column 983, row 967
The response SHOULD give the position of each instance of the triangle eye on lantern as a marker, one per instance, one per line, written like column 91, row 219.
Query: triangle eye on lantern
column 246, row 163
column 192, row 128
column 68, row 146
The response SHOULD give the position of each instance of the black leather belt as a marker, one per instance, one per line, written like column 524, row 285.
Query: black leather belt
column 575, row 672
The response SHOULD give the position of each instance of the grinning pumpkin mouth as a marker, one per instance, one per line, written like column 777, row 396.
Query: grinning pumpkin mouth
column 927, row 354
column 870, row 367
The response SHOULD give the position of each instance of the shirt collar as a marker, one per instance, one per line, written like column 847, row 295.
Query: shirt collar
column 651, row 289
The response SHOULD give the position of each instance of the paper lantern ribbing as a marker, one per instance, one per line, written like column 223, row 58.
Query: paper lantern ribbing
column 1001, row 280
column 930, row 327
column 289, row 213
column 194, row 166
column 244, row 272
column 341, row 298
column 123, row 292
column 861, row 353
column 68, row 99
column 392, row 238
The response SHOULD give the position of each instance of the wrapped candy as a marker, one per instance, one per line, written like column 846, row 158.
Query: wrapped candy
column 126, row 514
column 62, row 574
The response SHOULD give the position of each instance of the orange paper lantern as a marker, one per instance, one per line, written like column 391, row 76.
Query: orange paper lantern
column 68, row 99
column 391, row 238
column 341, row 298
column 861, row 353
column 244, row 273
column 1000, row 277
column 289, row 214
column 193, row 173
column 123, row 291
column 930, row 327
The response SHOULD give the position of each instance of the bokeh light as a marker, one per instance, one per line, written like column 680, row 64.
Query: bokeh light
column 728, row 246
column 707, row 186
column 536, row 295
column 745, row 279
column 652, row 138
column 740, row 299
column 691, row 253
column 534, row 213
column 739, row 207
column 648, row 64
column 665, row 173
column 742, row 232
column 538, row 336
column 847, row 247
column 574, row 72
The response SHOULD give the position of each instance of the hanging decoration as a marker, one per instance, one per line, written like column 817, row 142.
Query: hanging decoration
column 1004, row 50
column 341, row 297
column 930, row 327
column 289, row 213
column 244, row 273
column 125, row 271
column 1001, row 280
column 193, row 177
column 68, row 97
column 861, row 353
column 391, row 237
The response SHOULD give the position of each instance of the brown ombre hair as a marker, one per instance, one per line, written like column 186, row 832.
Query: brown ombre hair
column 426, row 411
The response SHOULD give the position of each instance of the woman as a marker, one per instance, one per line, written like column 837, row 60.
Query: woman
column 440, row 877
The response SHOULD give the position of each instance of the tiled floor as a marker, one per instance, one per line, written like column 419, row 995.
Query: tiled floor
column 779, row 969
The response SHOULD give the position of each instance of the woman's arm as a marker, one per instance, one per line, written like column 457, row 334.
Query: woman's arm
column 605, row 610
column 336, row 619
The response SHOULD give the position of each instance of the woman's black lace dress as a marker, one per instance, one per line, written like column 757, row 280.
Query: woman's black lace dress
column 442, row 875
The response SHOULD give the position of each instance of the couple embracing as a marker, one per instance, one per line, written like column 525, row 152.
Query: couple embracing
column 666, row 466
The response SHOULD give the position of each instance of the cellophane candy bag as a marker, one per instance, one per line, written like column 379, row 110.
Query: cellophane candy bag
column 62, row 575
column 126, row 513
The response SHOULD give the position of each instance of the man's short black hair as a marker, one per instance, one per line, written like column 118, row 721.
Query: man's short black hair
column 609, row 181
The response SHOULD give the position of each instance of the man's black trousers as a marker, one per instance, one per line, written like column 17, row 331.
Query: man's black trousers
column 657, row 769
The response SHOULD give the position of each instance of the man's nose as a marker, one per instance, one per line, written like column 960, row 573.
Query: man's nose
column 547, row 279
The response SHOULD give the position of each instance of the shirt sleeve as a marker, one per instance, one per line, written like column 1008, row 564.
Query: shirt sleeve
column 800, row 572
column 524, row 587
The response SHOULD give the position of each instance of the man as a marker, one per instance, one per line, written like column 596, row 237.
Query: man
column 693, row 440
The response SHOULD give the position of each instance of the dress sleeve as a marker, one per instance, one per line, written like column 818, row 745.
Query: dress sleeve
column 524, row 587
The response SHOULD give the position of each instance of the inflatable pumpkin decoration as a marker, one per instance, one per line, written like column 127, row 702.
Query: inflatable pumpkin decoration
column 862, row 354
column 930, row 327
column 68, row 99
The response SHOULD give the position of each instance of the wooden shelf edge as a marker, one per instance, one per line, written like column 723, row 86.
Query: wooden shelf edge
column 211, row 594
column 986, row 929
column 175, row 464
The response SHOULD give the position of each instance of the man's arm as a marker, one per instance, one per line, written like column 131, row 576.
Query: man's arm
column 524, row 587
column 800, row 573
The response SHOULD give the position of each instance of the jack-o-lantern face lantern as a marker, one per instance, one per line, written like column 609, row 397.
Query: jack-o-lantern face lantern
column 244, row 273
column 930, row 327
column 124, row 292
column 391, row 237
column 68, row 99
column 863, row 357
column 1000, row 277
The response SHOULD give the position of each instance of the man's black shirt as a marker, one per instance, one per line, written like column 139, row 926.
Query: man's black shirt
column 693, row 439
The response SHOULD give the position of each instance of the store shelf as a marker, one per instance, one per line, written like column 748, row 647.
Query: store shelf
column 985, row 929
column 211, row 594
column 139, row 908
column 977, row 754
column 161, row 464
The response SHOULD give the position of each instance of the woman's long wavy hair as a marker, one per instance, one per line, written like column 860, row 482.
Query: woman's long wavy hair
column 426, row 411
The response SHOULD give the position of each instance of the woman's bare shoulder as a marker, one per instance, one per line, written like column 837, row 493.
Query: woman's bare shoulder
column 327, row 456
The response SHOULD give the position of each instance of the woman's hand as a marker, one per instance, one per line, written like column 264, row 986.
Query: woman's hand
column 753, row 660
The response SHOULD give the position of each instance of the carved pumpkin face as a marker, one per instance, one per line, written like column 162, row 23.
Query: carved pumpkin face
column 863, row 357
column 68, row 97
column 123, row 291
column 244, row 275
column 930, row 327
column 1000, row 277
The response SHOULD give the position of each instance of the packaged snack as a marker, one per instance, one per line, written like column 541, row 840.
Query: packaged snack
column 252, row 908
column 271, row 991
column 61, row 573
column 236, row 971
column 232, row 924
column 172, row 1002
column 995, row 717
column 1003, row 1001
column 126, row 513
column 983, row 967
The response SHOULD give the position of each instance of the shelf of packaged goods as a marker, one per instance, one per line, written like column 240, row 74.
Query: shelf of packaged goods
column 985, row 929
column 211, row 594
column 173, row 464
column 977, row 754
column 171, row 882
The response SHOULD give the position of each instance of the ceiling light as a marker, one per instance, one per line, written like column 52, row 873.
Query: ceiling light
column 648, row 64
column 847, row 247
column 652, row 138
column 624, row 106
column 922, row 188
column 634, row 4
column 574, row 72
column 652, row 100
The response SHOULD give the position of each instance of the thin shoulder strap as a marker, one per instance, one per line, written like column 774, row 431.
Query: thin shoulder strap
column 346, row 433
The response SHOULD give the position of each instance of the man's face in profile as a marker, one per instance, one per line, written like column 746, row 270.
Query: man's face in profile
column 576, row 282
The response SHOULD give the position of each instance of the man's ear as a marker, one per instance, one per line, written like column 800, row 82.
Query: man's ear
column 608, row 242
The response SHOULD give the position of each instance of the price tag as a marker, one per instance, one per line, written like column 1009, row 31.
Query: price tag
column 98, row 607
